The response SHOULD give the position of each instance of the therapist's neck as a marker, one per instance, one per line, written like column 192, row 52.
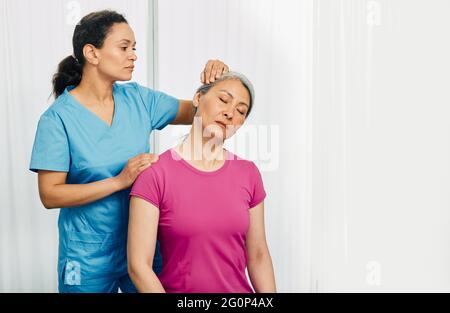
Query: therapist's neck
column 94, row 87
column 205, row 152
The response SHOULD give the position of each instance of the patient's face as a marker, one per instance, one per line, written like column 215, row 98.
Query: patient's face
column 223, row 109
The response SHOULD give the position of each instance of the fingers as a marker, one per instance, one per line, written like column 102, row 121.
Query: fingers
column 142, row 168
column 214, row 69
column 145, row 156
column 139, row 167
column 202, row 77
column 221, row 69
column 154, row 158
column 207, row 72
column 212, row 76
column 135, row 166
column 142, row 160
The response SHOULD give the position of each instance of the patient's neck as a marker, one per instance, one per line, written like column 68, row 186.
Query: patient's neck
column 205, row 153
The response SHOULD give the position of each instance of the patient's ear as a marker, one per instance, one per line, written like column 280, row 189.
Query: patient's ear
column 196, row 100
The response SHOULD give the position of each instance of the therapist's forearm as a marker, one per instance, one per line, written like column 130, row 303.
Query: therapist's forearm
column 185, row 114
column 145, row 279
column 73, row 195
column 261, row 274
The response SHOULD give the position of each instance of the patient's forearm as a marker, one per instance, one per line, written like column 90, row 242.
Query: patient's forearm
column 260, row 271
column 145, row 279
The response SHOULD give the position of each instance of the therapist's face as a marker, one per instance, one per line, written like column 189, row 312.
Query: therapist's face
column 223, row 108
column 117, row 55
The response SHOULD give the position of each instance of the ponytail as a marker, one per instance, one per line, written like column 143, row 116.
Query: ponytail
column 69, row 73
column 92, row 29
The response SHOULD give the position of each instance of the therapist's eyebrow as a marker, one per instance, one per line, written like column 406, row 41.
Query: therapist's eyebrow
column 233, row 97
column 127, row 40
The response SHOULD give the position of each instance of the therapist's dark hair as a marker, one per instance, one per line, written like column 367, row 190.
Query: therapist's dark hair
column 92, row 29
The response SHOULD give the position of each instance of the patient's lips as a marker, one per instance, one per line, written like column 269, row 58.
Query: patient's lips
column 222, row 124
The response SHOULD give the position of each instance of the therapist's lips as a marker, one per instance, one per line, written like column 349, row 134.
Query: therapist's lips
column 130, row 68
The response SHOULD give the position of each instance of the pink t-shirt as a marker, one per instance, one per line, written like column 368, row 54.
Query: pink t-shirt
column 203, row 221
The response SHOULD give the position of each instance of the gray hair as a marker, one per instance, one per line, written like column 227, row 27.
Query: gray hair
column 232, row 75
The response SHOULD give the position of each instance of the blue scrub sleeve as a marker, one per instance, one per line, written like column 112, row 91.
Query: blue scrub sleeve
column 51, row 147
column 162, row 108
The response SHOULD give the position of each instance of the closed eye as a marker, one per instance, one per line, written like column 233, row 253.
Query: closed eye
column 242, row 110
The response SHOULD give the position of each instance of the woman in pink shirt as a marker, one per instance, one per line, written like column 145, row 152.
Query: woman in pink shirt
column 204, row 205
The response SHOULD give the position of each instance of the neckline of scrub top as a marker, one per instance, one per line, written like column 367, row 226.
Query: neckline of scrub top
column 74, row 100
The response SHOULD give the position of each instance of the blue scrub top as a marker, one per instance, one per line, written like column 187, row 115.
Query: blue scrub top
column 70, row 138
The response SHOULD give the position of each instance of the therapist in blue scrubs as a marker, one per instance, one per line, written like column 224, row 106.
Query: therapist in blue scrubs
column 92, row 143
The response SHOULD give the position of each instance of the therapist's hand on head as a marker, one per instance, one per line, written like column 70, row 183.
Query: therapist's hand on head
column 213, row 70
column 134, row 167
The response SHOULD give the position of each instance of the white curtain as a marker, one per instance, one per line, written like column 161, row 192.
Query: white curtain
column 271, row 43
column 350, row 128
column 34, row 37
column 381, row 152
column 358, row 172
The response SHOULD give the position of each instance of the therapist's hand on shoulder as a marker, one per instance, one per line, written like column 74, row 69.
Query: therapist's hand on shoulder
column 213, row 70
column 134, row 167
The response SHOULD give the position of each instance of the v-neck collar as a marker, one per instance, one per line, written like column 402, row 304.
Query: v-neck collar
column 78, row 104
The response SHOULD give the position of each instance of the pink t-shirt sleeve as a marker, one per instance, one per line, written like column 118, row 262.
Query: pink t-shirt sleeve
column 259, row 193
column 146, row 187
